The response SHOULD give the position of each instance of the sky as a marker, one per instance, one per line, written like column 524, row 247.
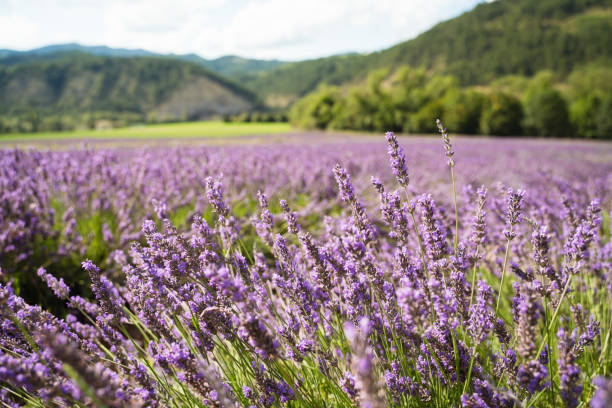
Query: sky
column 267, row 29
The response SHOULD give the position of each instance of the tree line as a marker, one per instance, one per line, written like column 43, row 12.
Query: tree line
column 408, row 100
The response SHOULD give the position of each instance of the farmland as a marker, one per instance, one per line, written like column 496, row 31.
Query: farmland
column 468, row 272
column 205, row 129
column 251, row 204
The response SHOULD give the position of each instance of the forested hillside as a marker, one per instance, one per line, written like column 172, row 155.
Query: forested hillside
column 75, row 88
column 493, row 40
column 507, row 67
column 229, row 65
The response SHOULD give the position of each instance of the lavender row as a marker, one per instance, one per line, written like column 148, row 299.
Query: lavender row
column 475, row 275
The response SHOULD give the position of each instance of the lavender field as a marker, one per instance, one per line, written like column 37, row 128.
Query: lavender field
column 318, row 272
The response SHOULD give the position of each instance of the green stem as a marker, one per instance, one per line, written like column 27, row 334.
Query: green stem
column 416, row 233
column 554, row 317
column 605, row 345
column 467, row 380
column 473, row 280
column 550, row 367
column 456, row 238
column 501, row 283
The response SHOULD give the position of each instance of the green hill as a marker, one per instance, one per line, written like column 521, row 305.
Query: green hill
column 493, row 40
column 74, row 85
column 229, row 65
column 233, row 66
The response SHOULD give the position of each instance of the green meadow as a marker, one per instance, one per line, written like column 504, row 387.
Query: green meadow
column 206, row 129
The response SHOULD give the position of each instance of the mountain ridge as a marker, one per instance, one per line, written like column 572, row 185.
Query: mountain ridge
column 492, row 40
column 227, row 65
column 479, row 47
column 77, row 87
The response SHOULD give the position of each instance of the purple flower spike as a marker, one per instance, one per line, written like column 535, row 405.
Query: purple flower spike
column 398, row 159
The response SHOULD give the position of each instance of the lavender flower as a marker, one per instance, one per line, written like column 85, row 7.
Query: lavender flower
column 214, row 191
column 265, row 224
column 602, row 397
column 259, row 336
column 447, row 145
column 291, row 218
column 180, row 309
column 481, row 320
column 434, row 238
column 398, row 160
column 105, row 292
column 532, row 376
column 478, row 223
column 569, row 373
column 362, row 365
column 576, row 248
column 527, row 313
column 486, row 396
column 540, row 239
column 58, row 286
column 347, row 192
column 398, row 384
column 106, row 383
column 514, row 212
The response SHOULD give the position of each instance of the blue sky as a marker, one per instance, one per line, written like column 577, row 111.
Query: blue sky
column 282, row 29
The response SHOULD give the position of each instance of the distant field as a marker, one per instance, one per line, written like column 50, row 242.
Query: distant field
column 172, row 130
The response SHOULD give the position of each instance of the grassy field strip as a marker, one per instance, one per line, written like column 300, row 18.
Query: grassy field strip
column 172, row 130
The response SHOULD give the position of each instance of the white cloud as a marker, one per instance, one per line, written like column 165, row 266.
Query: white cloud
column 283, row 29
column 15, row 25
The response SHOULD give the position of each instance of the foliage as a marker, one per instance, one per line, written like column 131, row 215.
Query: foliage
column 504, row 37
column 462, row 111
column 502, row 115
column 604, row 118
column 407, row 99
column 550, row 54
column 257, row 117
column 60, row 93
column 546, row 113
column 318, row 109
column 591, row 115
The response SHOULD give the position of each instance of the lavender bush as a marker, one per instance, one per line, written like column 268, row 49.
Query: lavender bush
column 286, row 276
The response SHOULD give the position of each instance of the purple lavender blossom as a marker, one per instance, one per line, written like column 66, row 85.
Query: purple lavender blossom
column 265, row 223
column 602, row 398
column 398, row 159
column 362, row 364
column 447, row 145
column 291, row 217
column 569, row 372
column 513, row 212
column 180, row 304
column 434, row 238
column 58, row 286
column 105, row 292
column 214, row 192
column 478, row 222
column 481, row 321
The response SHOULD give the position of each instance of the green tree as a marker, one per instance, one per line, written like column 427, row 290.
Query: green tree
column 423, row 121
column 546, row 113
column 34, row 119
column 587, row 79
column 462, row 111
column 318, row 109
column 502, row 115
column 604, row 118
column 583, row 114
